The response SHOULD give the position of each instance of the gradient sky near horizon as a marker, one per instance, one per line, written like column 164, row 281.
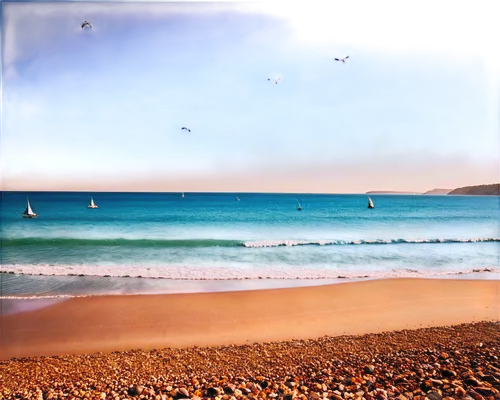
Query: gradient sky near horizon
column 415, row 107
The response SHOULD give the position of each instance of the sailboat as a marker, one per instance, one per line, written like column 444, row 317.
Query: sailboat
column 92, row 204
column 28, row 213
column 182, row 195
column 299, row 207
column 370, row 203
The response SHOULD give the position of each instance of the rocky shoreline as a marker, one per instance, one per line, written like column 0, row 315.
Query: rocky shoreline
column 457, row 362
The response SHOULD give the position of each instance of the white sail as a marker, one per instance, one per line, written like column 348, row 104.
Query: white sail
column 298, row 206
column 370, row 203
column 29, row 211
column 92, row 204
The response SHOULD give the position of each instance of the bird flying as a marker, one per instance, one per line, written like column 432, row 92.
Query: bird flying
column 189, row 130
column 86, row 23
column 342, row 60
column 276, row 81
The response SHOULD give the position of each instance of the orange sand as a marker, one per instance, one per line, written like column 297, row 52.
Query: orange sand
column 110, row 323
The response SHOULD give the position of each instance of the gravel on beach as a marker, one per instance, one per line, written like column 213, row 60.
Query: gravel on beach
column 456, row 362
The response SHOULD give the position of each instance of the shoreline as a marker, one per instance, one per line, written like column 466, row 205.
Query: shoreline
column 69, row 286
column 123, row 322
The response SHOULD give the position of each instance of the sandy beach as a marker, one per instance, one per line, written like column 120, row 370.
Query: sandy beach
column 117, row 323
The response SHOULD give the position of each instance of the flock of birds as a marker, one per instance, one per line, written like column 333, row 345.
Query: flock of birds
column 279, row 79
column 86, row 24
column 343, row 60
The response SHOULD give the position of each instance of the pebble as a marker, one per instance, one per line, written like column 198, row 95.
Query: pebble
column 439, row 363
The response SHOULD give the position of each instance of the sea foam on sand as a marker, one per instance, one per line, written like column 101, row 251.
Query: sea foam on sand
column 233, row 273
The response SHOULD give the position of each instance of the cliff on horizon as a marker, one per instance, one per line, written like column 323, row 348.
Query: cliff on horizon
column 479, row 190
column 439, row 191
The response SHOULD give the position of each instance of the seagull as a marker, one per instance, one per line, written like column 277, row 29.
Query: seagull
column 276, row 81
column 86, row 23
column 189, row 130
column 342, row 60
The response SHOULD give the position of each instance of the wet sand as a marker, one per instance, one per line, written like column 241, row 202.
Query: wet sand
column 117, row 323
column 50, row 286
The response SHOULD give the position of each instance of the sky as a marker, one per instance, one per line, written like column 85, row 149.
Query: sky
column 414, row 107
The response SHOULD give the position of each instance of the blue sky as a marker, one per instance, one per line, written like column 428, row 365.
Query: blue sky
column 414, row 107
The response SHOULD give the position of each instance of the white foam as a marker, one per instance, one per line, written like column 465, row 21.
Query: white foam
column 277, row 243
column 48, row 297
column 229, row 273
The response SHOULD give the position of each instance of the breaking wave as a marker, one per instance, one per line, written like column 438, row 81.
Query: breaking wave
column 277, row 243
column 201, row 243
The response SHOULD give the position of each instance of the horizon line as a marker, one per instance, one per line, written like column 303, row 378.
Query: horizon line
column 208, row 192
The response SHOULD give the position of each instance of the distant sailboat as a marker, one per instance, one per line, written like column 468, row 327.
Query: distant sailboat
column 28, row 213
column 92, row 204
column 370, row 203
column 237, row 199
column 182, row 195
column 299, row 207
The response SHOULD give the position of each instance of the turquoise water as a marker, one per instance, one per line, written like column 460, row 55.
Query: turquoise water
column 213, row 236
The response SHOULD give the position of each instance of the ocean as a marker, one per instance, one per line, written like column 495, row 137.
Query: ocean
column 163, row 242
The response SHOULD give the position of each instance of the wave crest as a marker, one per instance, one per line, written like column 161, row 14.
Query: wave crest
column 278, row 243
column 199, row 243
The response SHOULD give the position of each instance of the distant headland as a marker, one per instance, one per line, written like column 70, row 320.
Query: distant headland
column 482, row 190
column 478, row 190
column 438, row 191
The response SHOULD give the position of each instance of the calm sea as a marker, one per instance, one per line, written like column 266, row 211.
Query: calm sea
column 202, row 238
